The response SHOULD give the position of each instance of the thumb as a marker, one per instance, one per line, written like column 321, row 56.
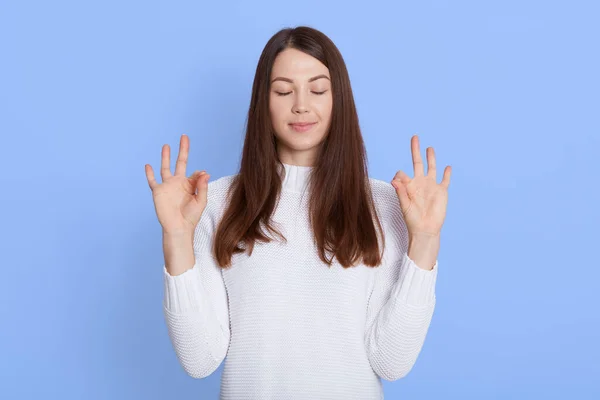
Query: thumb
column 403, row 196
column 202, row 187
column 193, row 177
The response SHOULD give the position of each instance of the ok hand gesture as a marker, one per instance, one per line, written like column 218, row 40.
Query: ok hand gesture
column 178, row 206
column 422, row 200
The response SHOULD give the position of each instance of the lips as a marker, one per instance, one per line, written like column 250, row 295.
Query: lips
column 302, row 126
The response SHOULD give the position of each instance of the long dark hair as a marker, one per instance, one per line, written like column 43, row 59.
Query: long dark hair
column 341, row 208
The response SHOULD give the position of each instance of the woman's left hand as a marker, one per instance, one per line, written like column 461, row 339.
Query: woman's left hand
column 422, row 200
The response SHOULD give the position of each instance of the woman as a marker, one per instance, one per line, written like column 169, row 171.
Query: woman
column 312, row 278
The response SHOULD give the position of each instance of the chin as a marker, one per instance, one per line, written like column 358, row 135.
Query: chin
column 295, row 143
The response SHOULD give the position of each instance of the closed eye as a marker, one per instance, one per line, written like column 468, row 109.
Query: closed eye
column 286, row 93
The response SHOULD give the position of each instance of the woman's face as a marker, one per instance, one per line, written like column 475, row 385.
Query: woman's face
column 300, row 93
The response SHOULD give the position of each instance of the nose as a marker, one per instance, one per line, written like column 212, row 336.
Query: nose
column 299, row 105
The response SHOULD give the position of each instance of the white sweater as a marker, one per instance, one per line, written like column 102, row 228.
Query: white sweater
column 291, row 327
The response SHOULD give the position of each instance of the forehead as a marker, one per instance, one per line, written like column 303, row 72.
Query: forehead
column 296, row 64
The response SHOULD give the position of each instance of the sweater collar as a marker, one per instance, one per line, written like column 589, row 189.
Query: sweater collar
column 295, row 178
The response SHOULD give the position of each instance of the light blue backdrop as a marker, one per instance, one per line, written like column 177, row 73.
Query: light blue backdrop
column 507, row 92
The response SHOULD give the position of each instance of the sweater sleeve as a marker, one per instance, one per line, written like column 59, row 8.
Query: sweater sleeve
column 402, row 300
column 195, row 307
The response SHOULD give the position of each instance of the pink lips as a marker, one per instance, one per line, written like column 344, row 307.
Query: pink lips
column 303, row 127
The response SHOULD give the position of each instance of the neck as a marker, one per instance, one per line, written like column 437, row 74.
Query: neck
column 295, row 177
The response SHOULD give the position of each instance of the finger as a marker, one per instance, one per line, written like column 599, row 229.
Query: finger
column 192, row 179
column 150, row 176
column 181, row 164
column 402, row 196
column 165, row 170
column 446, row 178
column 431, row 163
column 202, row 186
column 402, row 177
column 193, row 176
column 406, row 180
column 416, row 156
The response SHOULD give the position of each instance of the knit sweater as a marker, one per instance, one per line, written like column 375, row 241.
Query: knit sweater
column 288, row 326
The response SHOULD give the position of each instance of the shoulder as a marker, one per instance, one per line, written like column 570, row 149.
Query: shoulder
column 218, row 195
column 384, row 197
column 390, row 214
column 219, row 188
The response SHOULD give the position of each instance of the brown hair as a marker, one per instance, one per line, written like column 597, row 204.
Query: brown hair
column 341, row 208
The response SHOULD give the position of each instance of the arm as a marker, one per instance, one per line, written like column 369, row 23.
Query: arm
column 402, row 301
column 195, row 300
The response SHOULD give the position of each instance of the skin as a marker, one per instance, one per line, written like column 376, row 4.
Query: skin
column 296, row 97
column 423, row 202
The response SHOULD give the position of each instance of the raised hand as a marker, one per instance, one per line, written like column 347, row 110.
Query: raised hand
column 178, row 206
column 422, row 200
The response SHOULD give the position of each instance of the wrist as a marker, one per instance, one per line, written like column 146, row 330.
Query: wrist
column 177, row 235
column 425, row 236
column 178, row 249
column 423, row 249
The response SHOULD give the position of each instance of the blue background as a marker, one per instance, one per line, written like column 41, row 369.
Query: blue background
column 507, row 92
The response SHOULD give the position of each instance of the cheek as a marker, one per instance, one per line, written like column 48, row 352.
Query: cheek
column 276, row 110
column 325, row 108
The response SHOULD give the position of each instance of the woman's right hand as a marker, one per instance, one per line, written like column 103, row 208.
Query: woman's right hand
column 178, row 206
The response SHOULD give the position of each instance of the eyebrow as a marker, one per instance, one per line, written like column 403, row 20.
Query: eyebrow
column 314, row 78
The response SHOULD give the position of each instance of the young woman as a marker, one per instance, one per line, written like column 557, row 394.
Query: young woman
column 312, row 278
